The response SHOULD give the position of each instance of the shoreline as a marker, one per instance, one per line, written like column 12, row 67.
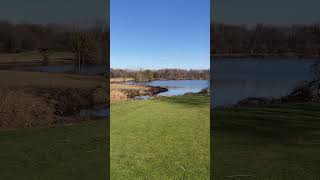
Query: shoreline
column 123, row 92
column 63, row 95
column 264, row 56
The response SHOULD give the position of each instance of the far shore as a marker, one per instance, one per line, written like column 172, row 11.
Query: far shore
column 265, row 56
column 123, row 80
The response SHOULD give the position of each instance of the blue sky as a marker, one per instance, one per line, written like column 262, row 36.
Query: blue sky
column 155, row 34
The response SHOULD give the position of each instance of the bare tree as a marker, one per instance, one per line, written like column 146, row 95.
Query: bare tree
column 83, row 44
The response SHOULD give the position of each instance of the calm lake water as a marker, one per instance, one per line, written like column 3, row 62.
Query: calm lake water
column 180, row 87
column 102, row 112
column 237, row 79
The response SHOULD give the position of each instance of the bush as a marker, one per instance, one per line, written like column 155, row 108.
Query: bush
column 21, row 110
column 100, row 95
column 117, row 96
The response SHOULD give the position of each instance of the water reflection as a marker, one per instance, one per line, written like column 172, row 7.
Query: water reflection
column 234, row 80
column 180, row 87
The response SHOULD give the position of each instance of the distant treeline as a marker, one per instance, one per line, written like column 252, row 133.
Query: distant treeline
column 301, row 41
column 84, row 42
column 164, row 74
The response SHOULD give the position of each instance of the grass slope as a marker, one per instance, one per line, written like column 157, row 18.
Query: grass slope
column 166, row 138
column 277, row 142
column 75, row 152
column 33, row 57
column 46, row 80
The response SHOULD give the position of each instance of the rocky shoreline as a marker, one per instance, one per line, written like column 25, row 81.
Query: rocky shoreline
column 122, row 92
column 307, row 92
column 149, row 91
column 69, row 101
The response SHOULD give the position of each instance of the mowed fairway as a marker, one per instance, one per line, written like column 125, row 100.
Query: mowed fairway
column 63, row 152
column 166, row 138
column 275, row 142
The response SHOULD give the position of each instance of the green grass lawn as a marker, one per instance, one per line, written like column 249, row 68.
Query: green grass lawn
column 277, row 142
column 74, row 152
column 166, row 138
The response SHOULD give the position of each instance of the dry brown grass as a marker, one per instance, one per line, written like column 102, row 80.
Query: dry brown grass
column 34, row 57
column 100, row 95
column 122, row 92
column 112, row 80
column 117, row 96
column 21, row 110
column 128, row 87
column 47, row 80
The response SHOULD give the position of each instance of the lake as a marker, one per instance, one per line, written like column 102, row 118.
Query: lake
column 102, row 112
column 236, row 79
column 180, row 87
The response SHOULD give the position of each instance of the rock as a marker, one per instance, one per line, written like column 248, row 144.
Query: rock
column 204, row 91
column 314, row 89
column 154, row 90
column 307, row 92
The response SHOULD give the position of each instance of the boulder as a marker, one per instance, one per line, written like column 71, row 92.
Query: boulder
column 204, row 91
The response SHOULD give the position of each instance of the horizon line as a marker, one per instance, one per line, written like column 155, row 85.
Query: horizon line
column 137, row 69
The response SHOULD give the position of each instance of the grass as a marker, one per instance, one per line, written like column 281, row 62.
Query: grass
column 166, row 138
column 275, row 142
column 112, row 80
column 34, row 57
column 75, row 152
column 114, row 86
column 47, row 80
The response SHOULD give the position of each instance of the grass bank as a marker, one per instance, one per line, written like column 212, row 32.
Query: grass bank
column 47, row 80
column 73, row 152
column 34, row 58
column 30, row 94
column 120, row 80
column 165, row 138
column 274, row 142
column 120, row 92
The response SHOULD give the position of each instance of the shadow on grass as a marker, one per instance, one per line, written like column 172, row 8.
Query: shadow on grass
column 282, row 121
column 279, row 141
column 191, row 100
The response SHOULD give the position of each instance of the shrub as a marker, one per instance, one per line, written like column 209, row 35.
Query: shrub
column 117, row 96
column 21, row 110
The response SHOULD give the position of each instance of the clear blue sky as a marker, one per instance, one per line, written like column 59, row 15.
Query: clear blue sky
column 155, row 34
